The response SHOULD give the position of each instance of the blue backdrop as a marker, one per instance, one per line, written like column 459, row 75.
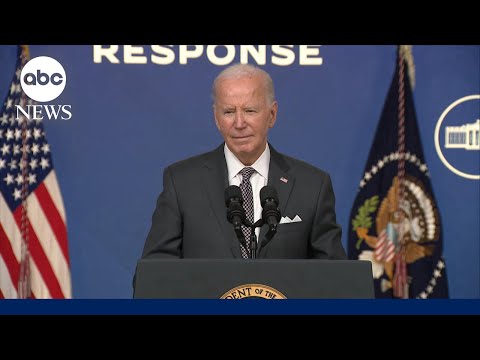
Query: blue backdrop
column 130, row 120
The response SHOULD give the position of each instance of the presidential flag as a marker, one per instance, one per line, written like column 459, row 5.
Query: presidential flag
column 394, row 221
column 34, row 259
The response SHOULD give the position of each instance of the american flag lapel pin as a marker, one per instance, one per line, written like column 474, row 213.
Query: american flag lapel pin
column 285, row 180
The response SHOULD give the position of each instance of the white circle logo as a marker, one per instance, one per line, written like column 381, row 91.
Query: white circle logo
column 462, row 138
column 43, row 79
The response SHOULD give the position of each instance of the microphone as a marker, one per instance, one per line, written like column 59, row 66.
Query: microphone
column 235, row 211
column 270, row 213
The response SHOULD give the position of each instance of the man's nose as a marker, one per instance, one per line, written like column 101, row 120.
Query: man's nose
column 239, row 121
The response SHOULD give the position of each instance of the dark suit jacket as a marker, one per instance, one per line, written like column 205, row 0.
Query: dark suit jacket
column 190, row 217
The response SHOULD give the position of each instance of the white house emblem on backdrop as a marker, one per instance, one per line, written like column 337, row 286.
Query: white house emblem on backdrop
column 457, row 137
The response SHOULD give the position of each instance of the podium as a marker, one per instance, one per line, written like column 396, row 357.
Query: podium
column 259, row 278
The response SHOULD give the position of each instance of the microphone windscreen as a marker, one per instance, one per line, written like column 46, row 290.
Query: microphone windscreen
column 232, row 192
column 268, row 192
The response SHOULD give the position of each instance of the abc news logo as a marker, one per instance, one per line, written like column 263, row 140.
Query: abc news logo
column 43, row 79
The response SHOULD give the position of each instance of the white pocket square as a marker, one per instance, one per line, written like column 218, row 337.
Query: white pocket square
column 287, row 220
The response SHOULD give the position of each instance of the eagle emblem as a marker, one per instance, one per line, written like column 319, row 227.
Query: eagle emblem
column 410, row 224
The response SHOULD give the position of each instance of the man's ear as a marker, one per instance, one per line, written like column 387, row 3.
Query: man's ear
column 215, row 117
column 273, row 114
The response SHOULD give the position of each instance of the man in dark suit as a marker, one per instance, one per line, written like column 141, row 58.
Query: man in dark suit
column 190, row 217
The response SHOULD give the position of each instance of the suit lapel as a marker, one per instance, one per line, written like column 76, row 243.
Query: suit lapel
column 282, row 180
column 215, row 179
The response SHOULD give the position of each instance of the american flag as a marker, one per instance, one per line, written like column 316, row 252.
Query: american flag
column 34, row 259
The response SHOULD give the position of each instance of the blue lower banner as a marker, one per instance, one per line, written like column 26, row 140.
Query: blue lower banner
column 240, row 307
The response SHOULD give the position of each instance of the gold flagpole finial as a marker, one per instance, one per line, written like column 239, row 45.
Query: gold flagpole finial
column 26, row 51
column 407, row 55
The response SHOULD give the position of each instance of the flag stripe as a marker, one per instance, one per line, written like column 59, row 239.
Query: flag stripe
column 51, row 183
column 10, row 227
column 48, row 241
column 9, row 263
column 40, row 259
column 54, row 219
column 9, row 251
column 39, row 288
column 6, row 284
column 13, row 263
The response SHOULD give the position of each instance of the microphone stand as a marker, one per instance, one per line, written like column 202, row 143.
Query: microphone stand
column 253, row 236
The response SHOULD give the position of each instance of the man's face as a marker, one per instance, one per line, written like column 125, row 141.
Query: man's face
column 243, row 116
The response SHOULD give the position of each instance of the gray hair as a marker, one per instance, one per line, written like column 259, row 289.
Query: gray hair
column 245, row 70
